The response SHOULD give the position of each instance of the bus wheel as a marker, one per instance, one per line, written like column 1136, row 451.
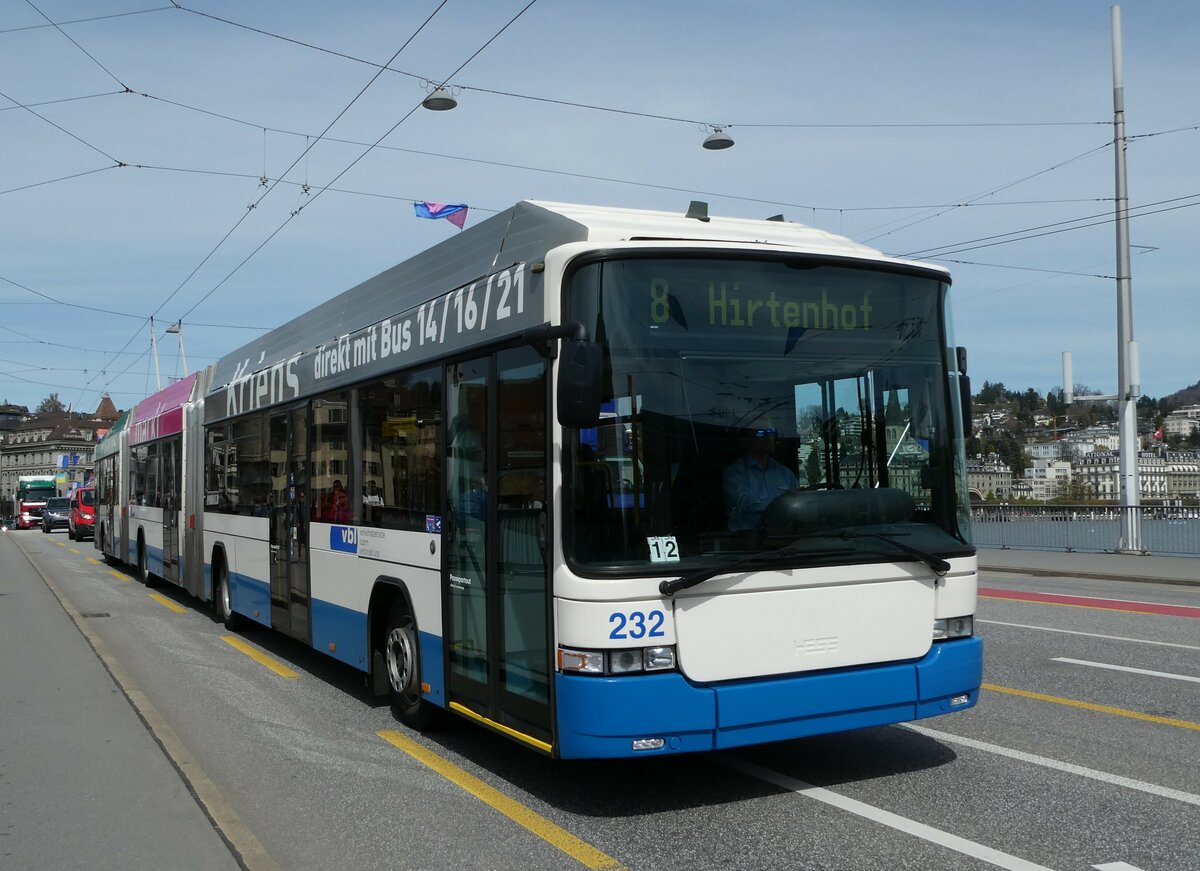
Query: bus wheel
column 223, row 601
column 401, row 654
column 142, row 570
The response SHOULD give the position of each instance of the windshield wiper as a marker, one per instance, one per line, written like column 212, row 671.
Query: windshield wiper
column 939, row 565
column 766, row 557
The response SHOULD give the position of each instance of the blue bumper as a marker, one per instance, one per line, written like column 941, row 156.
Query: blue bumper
column 600, row 717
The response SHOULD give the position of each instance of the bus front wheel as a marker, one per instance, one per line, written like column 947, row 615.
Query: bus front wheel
column 223, row 600
column 402, row 657
column 143, row 570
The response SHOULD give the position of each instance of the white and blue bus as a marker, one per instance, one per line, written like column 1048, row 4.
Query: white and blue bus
column 610, row 482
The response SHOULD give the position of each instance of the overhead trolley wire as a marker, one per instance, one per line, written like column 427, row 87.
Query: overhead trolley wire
column 64, row 99
column 77, row 45
column 618, row 111
column 265, row 193
column 368, row 150
column 84, row 20
column 60, row 128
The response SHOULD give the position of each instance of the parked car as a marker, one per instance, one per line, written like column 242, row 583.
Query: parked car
column 56, row 514
column 83, row 514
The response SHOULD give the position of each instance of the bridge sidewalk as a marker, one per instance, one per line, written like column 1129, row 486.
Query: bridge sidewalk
column 1107, row 566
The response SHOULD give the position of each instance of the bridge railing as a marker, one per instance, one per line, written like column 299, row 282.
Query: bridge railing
column 1168, row 531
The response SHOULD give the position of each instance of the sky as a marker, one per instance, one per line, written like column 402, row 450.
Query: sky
column 977, row 135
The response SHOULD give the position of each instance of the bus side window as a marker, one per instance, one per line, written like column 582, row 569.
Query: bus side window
column 401, row 456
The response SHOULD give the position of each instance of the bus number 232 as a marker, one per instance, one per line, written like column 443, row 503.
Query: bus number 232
column 636, row 625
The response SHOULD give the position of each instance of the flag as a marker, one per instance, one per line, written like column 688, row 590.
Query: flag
column 1158, row 434
column 455, row 213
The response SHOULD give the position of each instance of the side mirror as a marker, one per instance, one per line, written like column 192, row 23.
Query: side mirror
column 580, row 369
column 964, row 392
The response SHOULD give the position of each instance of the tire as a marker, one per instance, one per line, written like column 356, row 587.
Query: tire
column 143, row 572
column 223, row 602
column 71, row 533
column 402, row 659
column 109, row 560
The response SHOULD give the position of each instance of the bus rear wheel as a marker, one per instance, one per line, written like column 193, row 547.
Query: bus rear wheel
column 402, row 657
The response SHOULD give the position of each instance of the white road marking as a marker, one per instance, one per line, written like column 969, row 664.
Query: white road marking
column 1093, row 774
column 1090, row 634
column 1110, row 667
column 886, row 818
column 1116, row 866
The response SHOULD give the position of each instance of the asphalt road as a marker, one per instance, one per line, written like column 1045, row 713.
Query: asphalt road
column 1083, row 753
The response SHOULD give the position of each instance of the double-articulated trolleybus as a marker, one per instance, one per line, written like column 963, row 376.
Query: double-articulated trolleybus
column 610, row 482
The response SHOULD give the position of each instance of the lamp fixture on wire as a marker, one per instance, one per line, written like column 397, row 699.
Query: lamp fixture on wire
column 440, row 97
column 718, row 139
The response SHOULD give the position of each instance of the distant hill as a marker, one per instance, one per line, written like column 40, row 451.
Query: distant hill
column 1186, row 396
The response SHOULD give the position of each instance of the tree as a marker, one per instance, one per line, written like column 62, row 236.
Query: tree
column 991, row 394
column 51, row 405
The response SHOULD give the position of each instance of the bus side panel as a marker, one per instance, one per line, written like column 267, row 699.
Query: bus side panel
column 344, row 566
column 248, row 558
column 149, row 522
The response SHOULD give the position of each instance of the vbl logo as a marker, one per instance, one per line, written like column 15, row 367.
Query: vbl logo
column 343, row 538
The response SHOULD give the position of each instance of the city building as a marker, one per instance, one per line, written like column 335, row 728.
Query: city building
column 1182, row 422
column 58, row 443
column 989, row 477
column 1048, row 479
column 1101, row 472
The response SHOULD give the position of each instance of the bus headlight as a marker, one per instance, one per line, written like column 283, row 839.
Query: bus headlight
column 634, row 660
column 953, row 627
column 658, row 658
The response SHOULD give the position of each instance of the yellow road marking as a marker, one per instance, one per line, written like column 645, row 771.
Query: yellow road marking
column 167, row 603
column 92, row 560
column 1089, row 706
column 579, row 850
column 120, row 577
column 73, row 549
column 61, row 543
column 261, row 658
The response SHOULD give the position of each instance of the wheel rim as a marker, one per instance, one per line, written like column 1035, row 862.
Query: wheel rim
column 223, row 596
column 402, row 661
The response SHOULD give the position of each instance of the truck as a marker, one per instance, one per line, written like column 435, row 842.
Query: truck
column 32, row 493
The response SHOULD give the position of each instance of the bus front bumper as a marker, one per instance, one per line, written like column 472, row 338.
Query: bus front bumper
column 603, row 717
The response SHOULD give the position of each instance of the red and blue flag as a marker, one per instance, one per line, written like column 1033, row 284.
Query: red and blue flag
column 455, row 213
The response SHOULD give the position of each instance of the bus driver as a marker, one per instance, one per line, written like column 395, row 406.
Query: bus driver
column 754, row 480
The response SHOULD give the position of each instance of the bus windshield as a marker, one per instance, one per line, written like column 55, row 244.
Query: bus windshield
column 759, row 406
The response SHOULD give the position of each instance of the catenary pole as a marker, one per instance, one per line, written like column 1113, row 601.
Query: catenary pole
column 1127, row 388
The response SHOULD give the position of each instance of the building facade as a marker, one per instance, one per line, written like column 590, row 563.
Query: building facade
column 58, row 443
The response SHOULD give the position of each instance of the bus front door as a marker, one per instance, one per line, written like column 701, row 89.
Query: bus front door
column 495, row 572
column 288, row 442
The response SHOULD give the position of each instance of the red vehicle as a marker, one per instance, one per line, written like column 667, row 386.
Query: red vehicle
column 83, row 514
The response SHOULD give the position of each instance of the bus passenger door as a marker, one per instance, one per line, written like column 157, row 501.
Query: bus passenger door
column 171, row 488
column 288, row 444
column 494, row 538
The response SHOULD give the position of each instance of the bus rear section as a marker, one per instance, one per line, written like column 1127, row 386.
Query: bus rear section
column 787, row 552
